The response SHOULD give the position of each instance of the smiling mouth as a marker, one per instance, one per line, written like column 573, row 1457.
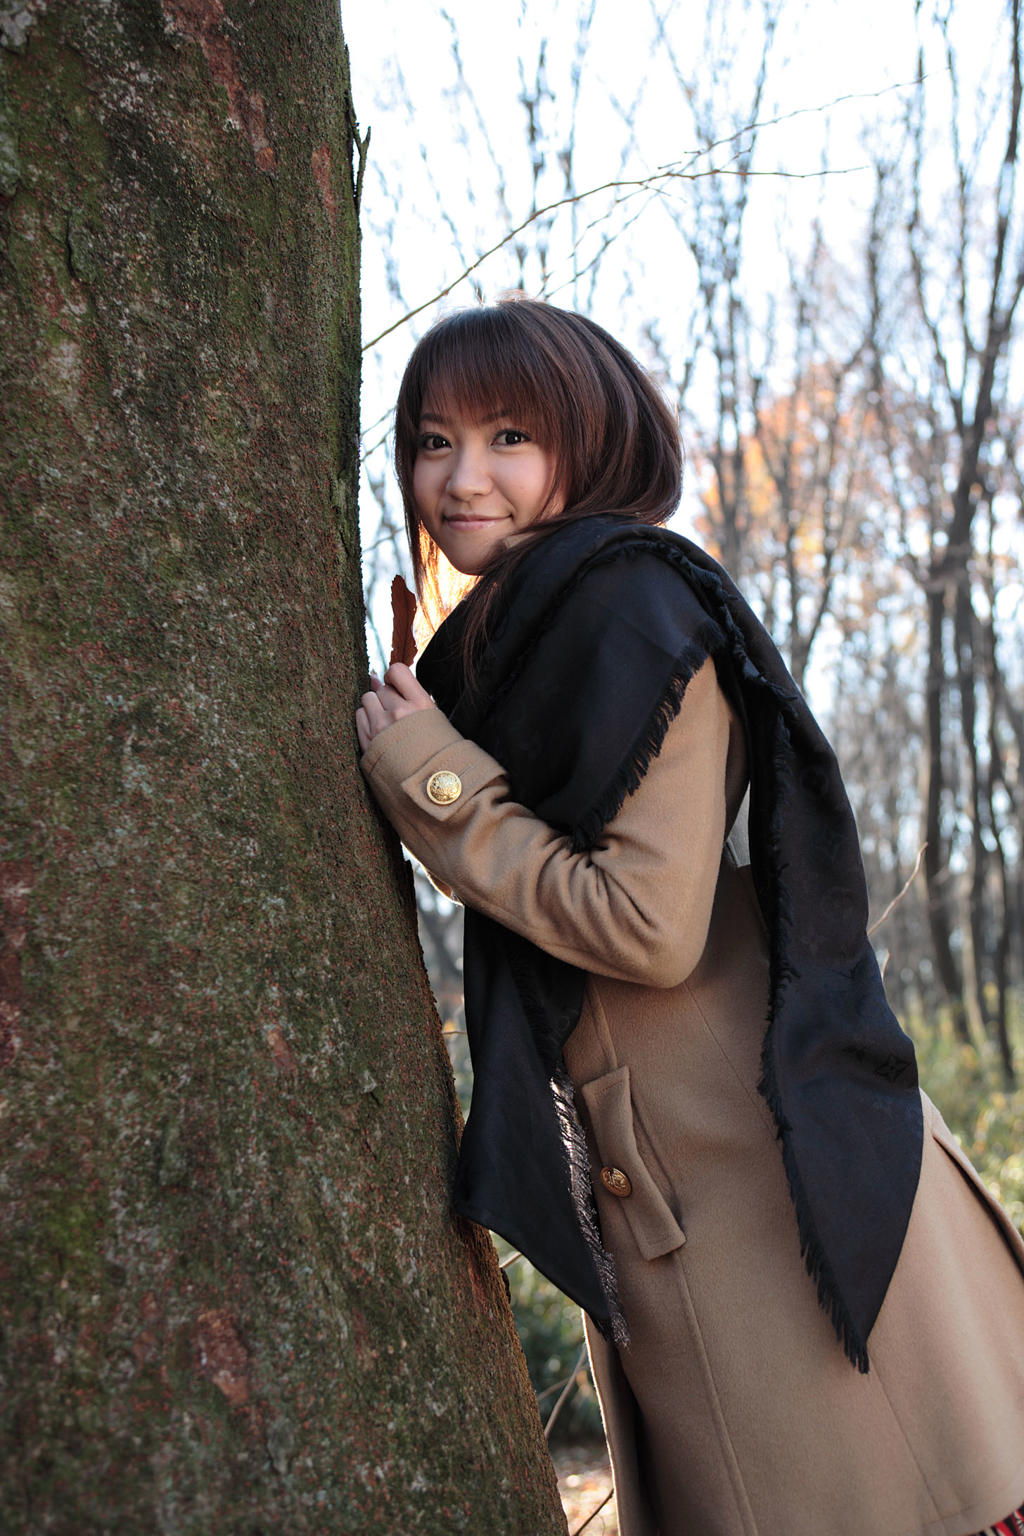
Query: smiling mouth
column 464, row 520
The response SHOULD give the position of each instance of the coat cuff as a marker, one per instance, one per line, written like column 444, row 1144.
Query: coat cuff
column 421, row 766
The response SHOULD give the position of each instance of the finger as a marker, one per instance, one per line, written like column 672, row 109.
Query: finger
column 374, row 709
column 375, row 717
column 363, row 730
column 403, row 681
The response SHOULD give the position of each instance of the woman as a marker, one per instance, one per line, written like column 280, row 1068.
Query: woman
column 693, row 1109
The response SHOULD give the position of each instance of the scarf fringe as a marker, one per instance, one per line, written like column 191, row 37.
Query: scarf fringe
column 781, row 974
column 811, row 1251
column 549, row 1035
column 577, row 1156
column 648, row 744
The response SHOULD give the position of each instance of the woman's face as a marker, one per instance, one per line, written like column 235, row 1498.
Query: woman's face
column 477, row 482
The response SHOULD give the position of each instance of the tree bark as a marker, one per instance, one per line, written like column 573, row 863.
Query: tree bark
column 231, row 1296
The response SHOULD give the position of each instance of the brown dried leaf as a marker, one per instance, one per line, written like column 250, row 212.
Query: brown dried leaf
column 403, row 609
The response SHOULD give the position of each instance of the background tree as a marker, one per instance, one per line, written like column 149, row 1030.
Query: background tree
column 946, row 256
column 231, row 1295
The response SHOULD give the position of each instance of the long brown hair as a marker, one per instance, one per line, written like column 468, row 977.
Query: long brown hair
column 574, row 389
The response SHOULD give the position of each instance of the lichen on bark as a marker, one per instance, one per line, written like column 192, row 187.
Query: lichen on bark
column 232, row 1297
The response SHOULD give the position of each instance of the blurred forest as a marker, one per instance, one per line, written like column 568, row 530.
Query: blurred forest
column 828, row 287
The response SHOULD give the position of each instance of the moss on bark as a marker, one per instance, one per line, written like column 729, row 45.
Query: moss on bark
column 231, row 1296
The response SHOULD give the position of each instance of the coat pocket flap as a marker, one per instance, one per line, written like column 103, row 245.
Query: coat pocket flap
column 655, row 1230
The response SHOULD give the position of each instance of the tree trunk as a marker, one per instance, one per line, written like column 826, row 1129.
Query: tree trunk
column 231, row 1296
column 936, row 869
column 975, row 957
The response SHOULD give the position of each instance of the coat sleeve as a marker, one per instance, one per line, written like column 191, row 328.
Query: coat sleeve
column 635, row 907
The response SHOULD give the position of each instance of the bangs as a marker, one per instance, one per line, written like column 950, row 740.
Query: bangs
column 475, row 366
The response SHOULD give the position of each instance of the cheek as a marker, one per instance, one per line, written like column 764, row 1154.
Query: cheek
column 421, row 483
column 545, row 493
column 551, row 494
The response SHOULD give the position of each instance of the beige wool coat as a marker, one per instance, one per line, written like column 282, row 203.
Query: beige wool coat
column 733, row 1410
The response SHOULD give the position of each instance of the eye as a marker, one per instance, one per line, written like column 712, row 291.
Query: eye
column 431, row 442
column 511, row 437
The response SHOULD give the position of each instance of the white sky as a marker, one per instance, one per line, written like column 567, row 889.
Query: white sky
column 427, row 144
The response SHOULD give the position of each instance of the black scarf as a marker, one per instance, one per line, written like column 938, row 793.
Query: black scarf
column 591, row 642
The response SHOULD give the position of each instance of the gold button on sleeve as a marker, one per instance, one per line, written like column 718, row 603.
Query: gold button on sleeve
column 616, row 1182
column 444, row 788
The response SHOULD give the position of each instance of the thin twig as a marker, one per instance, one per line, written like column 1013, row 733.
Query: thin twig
column 510, row 1260
column 670, row 172
column 637, row 183
column 556, row 1386
column 900, row 894
column 593, row 1512
column 566, row 1390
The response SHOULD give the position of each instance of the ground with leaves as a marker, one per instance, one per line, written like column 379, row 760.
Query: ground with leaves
column 585, row 1481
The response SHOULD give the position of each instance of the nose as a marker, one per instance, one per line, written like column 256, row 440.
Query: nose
column 469, row 475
